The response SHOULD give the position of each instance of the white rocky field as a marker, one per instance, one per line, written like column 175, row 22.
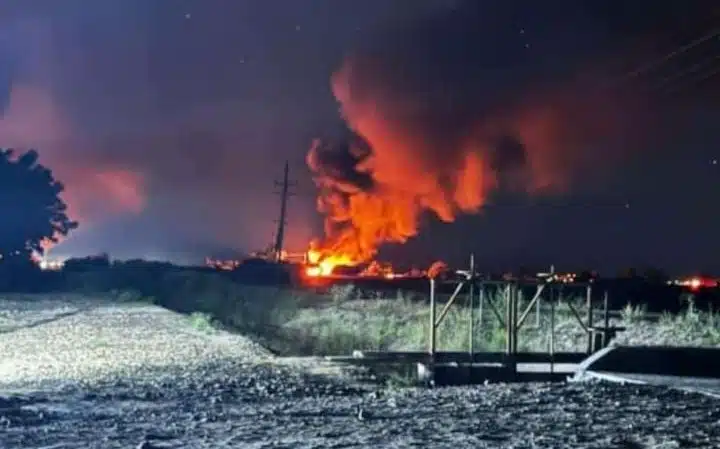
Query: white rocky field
column 78, row 372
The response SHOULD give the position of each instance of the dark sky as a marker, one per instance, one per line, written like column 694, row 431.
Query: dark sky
column 169, row 120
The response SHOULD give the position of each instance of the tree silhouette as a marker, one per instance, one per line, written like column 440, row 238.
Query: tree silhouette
column 655, row 275
column 32, row 210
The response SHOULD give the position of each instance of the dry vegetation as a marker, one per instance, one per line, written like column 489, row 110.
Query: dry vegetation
column 302, row 323
column 342, row 325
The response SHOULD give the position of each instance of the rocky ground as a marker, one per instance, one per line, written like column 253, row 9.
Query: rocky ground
column 79, row 373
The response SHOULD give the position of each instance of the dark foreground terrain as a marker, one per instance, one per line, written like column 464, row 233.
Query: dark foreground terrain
column 261, row 406
column 86, row 373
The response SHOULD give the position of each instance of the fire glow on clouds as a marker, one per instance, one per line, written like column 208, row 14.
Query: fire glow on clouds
column 32, row 118
column 423, row 139
column 93, row 192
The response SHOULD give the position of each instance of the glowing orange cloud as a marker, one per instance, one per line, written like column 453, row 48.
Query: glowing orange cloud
column 94, row 189
column 410, row 153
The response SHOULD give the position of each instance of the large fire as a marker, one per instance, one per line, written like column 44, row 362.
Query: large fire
column 375, row 184
column 425, row 137
column 323, row 264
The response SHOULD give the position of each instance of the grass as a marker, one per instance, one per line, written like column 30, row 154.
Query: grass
column 690, row 328
column 403, row 325
column 292, row 322
column 340, row 325
column 203, row 322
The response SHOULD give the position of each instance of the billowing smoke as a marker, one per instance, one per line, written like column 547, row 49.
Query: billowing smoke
column 438, row 126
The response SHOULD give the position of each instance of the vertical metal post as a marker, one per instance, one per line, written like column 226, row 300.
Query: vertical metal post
column 508, row 320
column 432, row 318
column 606, row 312
column 515, row 294
column 537, row 313
column 284, row 193
column 553, row 299
column 590, row 319
column 481, row 306
column 471, row 301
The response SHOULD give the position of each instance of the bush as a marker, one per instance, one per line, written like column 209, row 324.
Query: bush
column 99, row 262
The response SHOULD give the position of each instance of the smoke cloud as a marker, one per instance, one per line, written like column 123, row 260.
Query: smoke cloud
column 438, row 127
column 165, row 135
column 96, row 189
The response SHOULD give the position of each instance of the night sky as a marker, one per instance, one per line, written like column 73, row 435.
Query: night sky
column 168, row 121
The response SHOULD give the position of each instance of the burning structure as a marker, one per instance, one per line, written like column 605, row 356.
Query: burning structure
column 430, row 134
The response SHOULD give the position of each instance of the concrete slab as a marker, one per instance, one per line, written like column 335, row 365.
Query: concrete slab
column 656, row 360
column 684, row 368
column 476, row 374
column 706, row 386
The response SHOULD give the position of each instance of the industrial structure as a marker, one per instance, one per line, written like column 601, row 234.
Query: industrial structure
column 473, row 366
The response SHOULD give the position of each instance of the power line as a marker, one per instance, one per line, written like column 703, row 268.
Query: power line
column 647, row 74
column 697, row 79
column 690, row 70
column 667, row 57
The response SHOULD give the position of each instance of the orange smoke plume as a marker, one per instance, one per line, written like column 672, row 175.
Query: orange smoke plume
column 424, row 143
column 95, row 193
column 94, row 189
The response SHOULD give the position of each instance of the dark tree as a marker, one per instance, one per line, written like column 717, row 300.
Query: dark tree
column 628, row 273
column 88, row 263
column 32, row 210
column 655, row 275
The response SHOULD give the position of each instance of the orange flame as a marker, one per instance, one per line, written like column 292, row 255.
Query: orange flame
column 416, row 150
column 323, row 264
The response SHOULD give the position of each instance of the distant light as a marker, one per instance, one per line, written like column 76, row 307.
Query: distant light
column 695, row 283
column 188, row 15
column 51, row 264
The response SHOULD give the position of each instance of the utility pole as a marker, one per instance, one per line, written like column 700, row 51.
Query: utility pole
column 284, row 193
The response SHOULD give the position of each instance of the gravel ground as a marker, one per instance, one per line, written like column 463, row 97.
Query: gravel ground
column 80, row 373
